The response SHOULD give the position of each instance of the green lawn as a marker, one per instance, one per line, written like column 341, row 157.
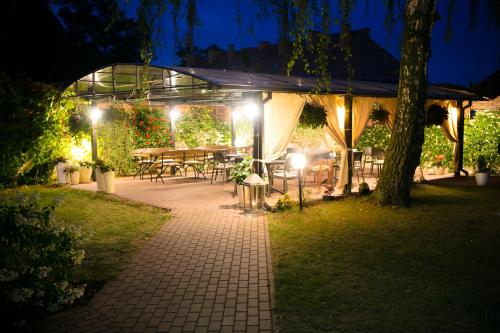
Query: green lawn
column 352, row 266
column 115, row 229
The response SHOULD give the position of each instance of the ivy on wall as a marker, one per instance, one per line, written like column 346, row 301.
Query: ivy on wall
column 199, row 126
column 151, row 126
column 376, row 135
column 482, row 137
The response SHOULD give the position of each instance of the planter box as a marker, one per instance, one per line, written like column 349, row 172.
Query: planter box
column 109, row 181
column 482, row 178
column 99, row 177
column 61, row 173
column 75, row 177
column 85, row 174
column 241, row 198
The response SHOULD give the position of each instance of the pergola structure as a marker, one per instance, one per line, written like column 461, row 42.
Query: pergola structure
column 186, row 85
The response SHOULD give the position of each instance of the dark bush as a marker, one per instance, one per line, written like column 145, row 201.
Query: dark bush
column 435, row 115
column 36, row 259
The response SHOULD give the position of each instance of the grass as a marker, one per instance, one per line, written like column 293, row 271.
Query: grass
column 352, row 266
column 115, row 229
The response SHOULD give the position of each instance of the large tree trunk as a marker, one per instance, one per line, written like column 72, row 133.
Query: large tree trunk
column 403, row 154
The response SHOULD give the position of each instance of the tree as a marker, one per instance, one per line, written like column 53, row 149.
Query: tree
column 405, row 147
column 98, row 33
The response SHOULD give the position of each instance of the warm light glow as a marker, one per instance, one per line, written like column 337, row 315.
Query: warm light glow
column 298, row 161
column 236, row 115
column 239, row 142
column 341, row 117
column 174, row 115
column 453, row 113
column 82, row 151
column 95, row 114
column 251, row 110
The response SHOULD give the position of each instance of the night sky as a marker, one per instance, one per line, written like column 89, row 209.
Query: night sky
column 470, row 55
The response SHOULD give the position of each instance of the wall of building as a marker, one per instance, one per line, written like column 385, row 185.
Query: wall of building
column 493, row 104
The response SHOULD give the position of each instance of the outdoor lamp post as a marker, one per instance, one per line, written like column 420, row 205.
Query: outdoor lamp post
column 299, row 162
column 254, row 188
column 174, row 115
column 95, row 115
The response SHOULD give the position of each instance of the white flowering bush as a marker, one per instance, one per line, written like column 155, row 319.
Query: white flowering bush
column 37, row 258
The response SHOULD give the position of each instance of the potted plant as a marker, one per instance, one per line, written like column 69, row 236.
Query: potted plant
column 439, row 164
column 482, row 172
column 328, row 194
column 364, row 189
column 379, row 114
column 99, row 177
column 238, row 174
column 61, row 166
column 108, row 177
column 85, row 171
column 74, row 174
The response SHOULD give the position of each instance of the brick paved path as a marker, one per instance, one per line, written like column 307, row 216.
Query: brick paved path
column 208, row 270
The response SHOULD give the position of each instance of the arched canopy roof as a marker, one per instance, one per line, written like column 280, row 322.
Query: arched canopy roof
column 201, row 85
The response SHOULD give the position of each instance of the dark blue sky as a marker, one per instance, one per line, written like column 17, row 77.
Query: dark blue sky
column 469, row 56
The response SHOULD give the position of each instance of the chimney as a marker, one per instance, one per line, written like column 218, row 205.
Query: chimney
column 213, row 54
column 230, row 52
column 263, row 45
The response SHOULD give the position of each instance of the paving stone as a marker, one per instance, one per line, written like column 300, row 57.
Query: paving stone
column 206, row 270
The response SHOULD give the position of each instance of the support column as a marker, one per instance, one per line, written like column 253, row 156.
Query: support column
column 348, row 138
column 258, row 131
column 458, row 158
column 233, row 126
column 94, row 142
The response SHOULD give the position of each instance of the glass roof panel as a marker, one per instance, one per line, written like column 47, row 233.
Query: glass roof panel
column 201, row 84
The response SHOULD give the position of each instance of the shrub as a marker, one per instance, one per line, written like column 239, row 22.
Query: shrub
column 37, row 258
column 34, row 123
column 481, row 137
column 198, row 126
column 364, row 189
column 377, row 135
column 285, row 202
column 150, row 126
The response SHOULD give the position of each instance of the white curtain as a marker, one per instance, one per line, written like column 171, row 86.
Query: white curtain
column 281, row 115
column 334, row 130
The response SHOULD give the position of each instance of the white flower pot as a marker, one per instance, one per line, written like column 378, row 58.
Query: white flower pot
column 61, row 173
column 241, row 198
column 482, row 178
column 99, row 177
column 85, row 174
column 74, row 177
column 109, row 181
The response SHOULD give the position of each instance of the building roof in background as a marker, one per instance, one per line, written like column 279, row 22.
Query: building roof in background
column 489, row 87
column 370, row 61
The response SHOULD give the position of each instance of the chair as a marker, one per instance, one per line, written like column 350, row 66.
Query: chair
column 379, row 156
column 318, row 168
column 220, row 165
column 196, row 160
column 357, row 164
column 374, row 156
column 142, row 160
column 285, row 172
